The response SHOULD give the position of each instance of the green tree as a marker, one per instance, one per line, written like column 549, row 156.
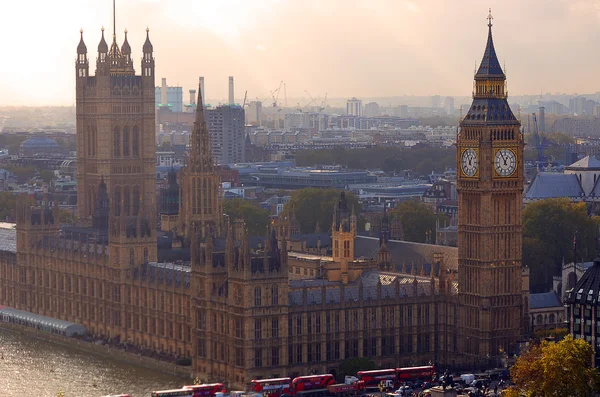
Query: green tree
column 256, row 218
column 314, row 205
column 549, row 230
column 47, row 176
column 65, row 216
column 8, row 204
column 556, row 369
column 418, row 220
column 23, row 174
column 350, row 366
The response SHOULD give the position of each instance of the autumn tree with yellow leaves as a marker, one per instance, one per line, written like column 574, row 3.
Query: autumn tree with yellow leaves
column 555, row 369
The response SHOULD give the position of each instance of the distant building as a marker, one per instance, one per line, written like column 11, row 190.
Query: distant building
column 296, row 120
column 173, row 99
column 226, row 130
column 354, row 107
column 39, row 147
column 372, row 109
column 436, row 101
column 577, row 126
column 254, row 113
column 449, row 105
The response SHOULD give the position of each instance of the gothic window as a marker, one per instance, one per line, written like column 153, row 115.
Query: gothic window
column 257, row 329
column 257, row 296
column 145, row 255
column 136, row 199
column 131, row 257
column 125, row 141
column 116, row 142
column 117, row 201
column 275, row 295
column 127, row 200
column 346, row 249
column 136, row 141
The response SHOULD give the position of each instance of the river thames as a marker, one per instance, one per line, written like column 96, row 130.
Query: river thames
column 33, row 367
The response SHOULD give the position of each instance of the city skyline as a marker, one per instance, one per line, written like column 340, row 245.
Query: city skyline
column 370, row 49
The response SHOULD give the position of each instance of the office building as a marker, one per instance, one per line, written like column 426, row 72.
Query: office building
column 354, row 107
column 227, row 133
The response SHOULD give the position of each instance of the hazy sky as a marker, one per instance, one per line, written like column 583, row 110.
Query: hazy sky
column 363, row 48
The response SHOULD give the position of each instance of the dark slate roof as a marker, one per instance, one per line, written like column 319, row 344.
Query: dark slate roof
column 167, row 273
column 552, row 184
column 587, row 289
column 490, row 111
column 405, row 252
column 39, row 142
column 544, row 300
column 312, row 238
column 393, row 285
column 490, row 66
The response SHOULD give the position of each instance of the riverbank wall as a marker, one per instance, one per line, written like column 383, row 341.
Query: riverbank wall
column 101, row 350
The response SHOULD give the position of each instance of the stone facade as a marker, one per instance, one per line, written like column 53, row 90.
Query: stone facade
column 227, row 300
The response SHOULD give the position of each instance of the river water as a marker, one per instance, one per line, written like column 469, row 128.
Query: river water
column 33, row 367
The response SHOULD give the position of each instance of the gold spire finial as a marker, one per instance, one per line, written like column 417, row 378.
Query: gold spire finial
column 147, row 29
column 125, row 31
column 102, row 29
column 489, row 18
column 81, row 30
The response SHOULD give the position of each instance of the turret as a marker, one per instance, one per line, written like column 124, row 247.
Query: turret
column 148, row 59
column 126, row 52
column 82, row 64
column 102, row 61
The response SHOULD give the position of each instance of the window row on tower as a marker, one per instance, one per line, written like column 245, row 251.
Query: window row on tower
column 127, row 200
column 126, row 142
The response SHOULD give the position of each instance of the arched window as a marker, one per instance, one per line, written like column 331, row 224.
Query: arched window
column 552, row 318
column 131, row 257
column 136, row 141
column 125, row 141
column 127, row 200
column 88, row 140
column 116, row 142
column 539, row 319
column 145, row 255
column 136, row 199
column 257, row 296
column 274, row 295
column 117, row 201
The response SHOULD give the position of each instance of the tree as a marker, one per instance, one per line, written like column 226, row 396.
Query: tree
column 556, row 369
column 550, row 228
column 65, row 216
column 8, row 204
column 256, row 218
column 314, row 205
column 417, row 219
column 350, row 366
column 46, row 176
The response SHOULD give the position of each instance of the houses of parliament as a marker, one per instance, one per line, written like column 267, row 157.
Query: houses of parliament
column 236, row 305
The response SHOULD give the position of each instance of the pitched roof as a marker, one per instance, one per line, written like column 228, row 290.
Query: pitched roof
column 490, row 66
column 544, row 300
column 552, row 184
column 586, row 163
column 406, row 252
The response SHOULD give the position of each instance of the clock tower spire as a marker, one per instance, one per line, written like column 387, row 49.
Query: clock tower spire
column 490, row 186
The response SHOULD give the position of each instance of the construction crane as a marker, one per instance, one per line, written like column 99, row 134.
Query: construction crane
column 245, row 97
column 539, row 145
column 323, row 104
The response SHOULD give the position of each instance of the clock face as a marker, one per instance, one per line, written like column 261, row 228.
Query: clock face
column 469, row 162
column 505, row 162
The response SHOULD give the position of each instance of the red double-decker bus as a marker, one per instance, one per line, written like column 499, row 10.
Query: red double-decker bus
column 311, row 386
column 173, row 393
column 416, row 373
column 206, row 390
column 373, row 378
column 271, row 387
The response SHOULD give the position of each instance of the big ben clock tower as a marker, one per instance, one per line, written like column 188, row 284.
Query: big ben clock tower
column 490, row 185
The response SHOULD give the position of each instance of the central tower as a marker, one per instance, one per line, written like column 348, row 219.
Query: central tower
column 490, row 185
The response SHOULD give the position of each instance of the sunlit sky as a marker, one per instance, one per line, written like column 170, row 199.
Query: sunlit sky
column 362, row 48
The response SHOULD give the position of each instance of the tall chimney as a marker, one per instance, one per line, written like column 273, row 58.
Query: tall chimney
column 192, row 97
column 202, row 89
column 163, row 92
column 231, row 100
